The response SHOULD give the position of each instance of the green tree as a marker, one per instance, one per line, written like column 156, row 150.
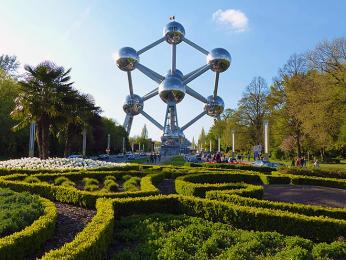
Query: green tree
column 41, row 93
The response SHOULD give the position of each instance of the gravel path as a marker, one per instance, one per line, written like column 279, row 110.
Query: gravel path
column 314, row 195
column 71, row 220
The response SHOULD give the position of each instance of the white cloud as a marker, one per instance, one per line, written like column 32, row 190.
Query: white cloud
column 235, row 19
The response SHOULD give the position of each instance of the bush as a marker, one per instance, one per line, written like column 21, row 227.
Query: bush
column 68, row 183
column 309, row 210
column 91, row 187
column 126, row 177
column 132, row 184
column 110, row 185
column 69, row 194
column 28, row 241
column 261, row 219
column 32, row 179
column 18, row 210
column 90, row 181
column 313, row 172
column 60, row 180
column 111, row 177
column 92, row 242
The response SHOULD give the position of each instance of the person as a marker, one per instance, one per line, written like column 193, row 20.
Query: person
column 151, row 158
column 316, row 163
column 159, row 156
column 302, row 161
column 248, row 157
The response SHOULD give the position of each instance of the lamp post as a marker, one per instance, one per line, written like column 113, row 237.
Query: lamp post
column 108, row 144
column 233, row 143
column 32, row 139
column 219, row 144
column 266, row 140
column 84, row 133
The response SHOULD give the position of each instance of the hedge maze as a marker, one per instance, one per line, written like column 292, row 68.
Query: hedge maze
column 231, row 196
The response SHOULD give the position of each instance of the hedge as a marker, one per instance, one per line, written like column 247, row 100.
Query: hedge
column 261, row 219
column 29, row 240
column 309, row 210
column 318, row 181
column 313, row 172
column 232, row 166
column 93, row 241
column 71, row 195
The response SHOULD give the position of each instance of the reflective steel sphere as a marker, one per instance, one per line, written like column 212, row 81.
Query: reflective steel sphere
column 172, row 89
column 214, row 106
column 174, row 32
column 219, row 59
column 126, row 58
column 177, row 73
column 133, row 105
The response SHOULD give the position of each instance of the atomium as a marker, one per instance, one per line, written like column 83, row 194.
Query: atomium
column 174, row 32
column 172, row 87
column 219, row 59
column 126, row 59
column 133, row 105
column 214, row 106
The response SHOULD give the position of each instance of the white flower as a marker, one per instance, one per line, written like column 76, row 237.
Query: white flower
column 56, row 163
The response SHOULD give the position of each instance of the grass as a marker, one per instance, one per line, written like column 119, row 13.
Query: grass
column 176, row 161
column 183, row 237
column 17, row 210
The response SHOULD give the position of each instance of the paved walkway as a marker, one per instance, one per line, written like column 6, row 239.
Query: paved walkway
column 313, row 195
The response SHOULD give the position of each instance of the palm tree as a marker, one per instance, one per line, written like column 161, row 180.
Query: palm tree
column 42, row 94
column 76, row 111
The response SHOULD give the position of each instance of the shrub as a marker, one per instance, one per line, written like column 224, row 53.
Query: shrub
column 32, row 179
column 126, row 177
column 90, row 181
column 68, row 183
column 111, row 177
column 132, row 184
column 261, row 219
column 60, row 180
column 313, row 172
column 91, row 187
column 110, row 185
column 18, row 210
column 30, row 240
column 309, row 210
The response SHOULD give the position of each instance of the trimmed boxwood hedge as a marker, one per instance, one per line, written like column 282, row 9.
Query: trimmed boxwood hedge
column 312, row 172
column 251, row 201
column 267, row 170
column 29, row 240
column 92, row 242
column 71, row 195
column 261, row 219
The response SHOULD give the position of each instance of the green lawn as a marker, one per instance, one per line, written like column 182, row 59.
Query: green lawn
column 175, row 160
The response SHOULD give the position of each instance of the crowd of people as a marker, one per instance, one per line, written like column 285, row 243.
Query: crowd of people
column 302, row 162
column 155, row 158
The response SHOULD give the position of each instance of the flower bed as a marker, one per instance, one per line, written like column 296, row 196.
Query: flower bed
column 56, row 163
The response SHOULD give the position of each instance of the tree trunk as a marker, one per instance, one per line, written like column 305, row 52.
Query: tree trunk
column 45, row 138
column 39, row 138
column 67, row 149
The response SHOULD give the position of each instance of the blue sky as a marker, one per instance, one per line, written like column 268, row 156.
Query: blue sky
column 259, row 34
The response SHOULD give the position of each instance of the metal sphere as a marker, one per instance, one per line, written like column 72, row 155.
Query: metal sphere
column 172, row 90
column 133, row 105
column 174, row 32
column 126, row 58
column 219, row 59
column 177, row 73
column 214, row 106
